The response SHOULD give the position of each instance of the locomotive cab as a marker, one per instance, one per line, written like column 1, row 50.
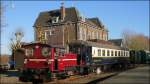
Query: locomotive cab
column 38, row 62
column 43, row 62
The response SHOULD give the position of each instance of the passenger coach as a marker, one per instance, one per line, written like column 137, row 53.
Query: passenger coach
column 106, row 55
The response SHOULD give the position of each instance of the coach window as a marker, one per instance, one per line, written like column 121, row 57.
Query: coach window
column 112, row 52
column 127, row 53
column 124, row 53
column 103, row 52
column 99, row 52
column 108, row 53
column 115, row 53
column 121, row 53
column 118, row 53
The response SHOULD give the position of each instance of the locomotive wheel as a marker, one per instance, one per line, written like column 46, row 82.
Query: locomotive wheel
column 37, row 80
column 23, row 79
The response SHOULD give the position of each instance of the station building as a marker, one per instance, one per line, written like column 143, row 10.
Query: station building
column 64, row 25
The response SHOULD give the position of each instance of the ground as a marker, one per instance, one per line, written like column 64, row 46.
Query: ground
column 140, row 75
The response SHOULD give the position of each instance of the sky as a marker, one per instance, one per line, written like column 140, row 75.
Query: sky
column 117, row 16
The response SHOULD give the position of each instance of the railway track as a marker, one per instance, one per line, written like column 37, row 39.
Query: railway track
column 88, row 79
column 11, row 77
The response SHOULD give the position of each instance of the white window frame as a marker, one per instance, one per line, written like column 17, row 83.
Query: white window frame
column 108, row 52
column 99, row 52
column 50, row 33
column 104, row 53
column 27, row 54
column 55, row 19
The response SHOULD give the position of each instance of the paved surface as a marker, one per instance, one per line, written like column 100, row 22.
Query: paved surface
column 10, row 77
column 83, row 79
column 140, row 75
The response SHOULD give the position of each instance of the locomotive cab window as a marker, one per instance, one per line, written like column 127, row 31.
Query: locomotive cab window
column 29, row 52
column 45, row 51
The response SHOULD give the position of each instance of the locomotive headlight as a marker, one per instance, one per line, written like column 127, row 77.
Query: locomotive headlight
column 49, row 62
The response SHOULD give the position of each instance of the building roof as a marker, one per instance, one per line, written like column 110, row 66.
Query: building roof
column 71, row 15
column 96, row 21
column 45, row 18
column 117, row 42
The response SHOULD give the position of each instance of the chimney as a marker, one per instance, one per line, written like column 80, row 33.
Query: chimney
column 62, row 11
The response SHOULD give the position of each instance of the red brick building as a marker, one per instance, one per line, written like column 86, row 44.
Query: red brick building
column 64, row 25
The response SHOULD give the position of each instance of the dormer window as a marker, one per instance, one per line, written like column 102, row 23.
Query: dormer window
column 55, row 19
column 82, row 18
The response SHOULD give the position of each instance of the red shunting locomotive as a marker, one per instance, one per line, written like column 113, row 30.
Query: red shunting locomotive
column 42, row 61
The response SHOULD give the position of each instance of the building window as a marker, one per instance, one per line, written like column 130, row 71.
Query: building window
column 84, row 34
column 99, row 52
column 92, row 35
column 80, row 33
column 103, row 52
column 97, row 35
column 49, row 33
column 103, row 37
column 108, row 53
column 46, row 34
column 55, row 19
column 106, row 37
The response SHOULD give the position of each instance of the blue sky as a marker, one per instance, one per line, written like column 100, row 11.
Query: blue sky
column 115, row 15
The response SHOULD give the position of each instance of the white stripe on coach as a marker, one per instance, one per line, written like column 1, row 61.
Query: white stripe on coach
column 68, row 59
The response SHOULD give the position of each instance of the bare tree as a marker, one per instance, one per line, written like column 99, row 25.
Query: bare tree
column 16, row 40
column 136, row 41
column 16, row 44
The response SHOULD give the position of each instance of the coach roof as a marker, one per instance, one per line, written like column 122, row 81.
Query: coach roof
column 96, row 44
